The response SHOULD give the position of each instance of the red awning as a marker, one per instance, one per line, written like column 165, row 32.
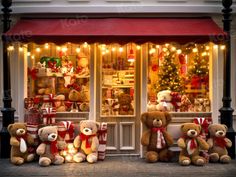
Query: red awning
column 121, row 30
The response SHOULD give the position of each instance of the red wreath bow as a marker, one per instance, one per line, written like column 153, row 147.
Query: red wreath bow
column 33, row 73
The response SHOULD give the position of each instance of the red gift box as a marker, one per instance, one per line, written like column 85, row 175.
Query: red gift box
column 66, row 131
column 102, row 137
column 49, row 115
column 33, row 116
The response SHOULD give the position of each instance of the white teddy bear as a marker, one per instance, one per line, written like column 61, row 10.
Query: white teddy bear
column 164, row 101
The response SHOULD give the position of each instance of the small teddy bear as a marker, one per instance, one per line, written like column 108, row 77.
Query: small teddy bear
column 191, row 143
column 125, row 106
column 48, row 149
column 218, row 143
column 156, row 138
column 19, row 142
column 59, row 103
column 87, row 142
column 164, row 101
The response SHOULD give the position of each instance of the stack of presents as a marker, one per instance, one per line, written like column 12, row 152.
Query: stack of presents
column 44, row 139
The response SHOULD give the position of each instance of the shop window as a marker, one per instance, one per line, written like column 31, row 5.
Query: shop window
column 60, row 75
column 178, row 77
column 117, row 79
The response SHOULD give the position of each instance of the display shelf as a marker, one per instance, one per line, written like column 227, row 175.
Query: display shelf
column 118, row 116
column 62, row 113
column 118, row 86
column 61, row 75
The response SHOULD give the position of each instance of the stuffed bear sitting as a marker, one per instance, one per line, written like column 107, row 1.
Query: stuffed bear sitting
column 48, row 149
column 218, row 143
column 164, row 101
column 156, row 138
column 191, row 143
column 87, row 142
column 19, row 142
column 125, row 106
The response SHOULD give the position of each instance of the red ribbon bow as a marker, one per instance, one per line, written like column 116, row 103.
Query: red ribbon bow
column 22, row 136
column 220, row 141
column 193, row 144
column 203, row 122
column 53, row 146
column 33, row 73
column 86, row 138
column 156, row 129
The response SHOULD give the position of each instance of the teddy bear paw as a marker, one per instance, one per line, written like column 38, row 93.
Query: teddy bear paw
column 225, row 159
column 58, row 160
column 17, row 160
column 91, row 158
column 185, row 162
column 200, row 162
column 30, row 157
column 78, row 158
column 44, row 161
column 214, row 157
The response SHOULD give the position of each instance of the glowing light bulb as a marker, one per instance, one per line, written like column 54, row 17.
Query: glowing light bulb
column 46, row 46
column 77, row 50
column 58, row 48
column 120, row 49
column 70, row 146
column 32, row 57
column 215, row 46
column 113, row 49
column 28, row 54
column 64, row 49
column 167, row 45
column 85, row 45
column 195, row 50
column 10, row 48
column 164, row 49
column 138, row 47
column 173, row 49
column 207, row 47
column 222, row 47
column 68, row 158
column 157, row 46
column 107, row 51
column 103, row 52
column 38, row 49
column 179, row 51
column 21, row 49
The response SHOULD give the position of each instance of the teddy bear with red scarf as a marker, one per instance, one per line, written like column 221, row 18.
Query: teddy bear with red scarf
column 218, row 143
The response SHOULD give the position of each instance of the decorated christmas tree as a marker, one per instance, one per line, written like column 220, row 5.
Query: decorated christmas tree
column 169, row 77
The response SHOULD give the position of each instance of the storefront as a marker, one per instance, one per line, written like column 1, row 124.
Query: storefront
column 111, row 70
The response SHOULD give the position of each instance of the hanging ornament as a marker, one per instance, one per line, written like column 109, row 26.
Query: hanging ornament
column 182, row 59
column 154, row 67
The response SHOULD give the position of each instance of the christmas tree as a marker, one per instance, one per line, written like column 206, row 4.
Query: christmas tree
column 168, row 76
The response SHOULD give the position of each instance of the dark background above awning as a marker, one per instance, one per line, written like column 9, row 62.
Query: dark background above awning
column 116, row 30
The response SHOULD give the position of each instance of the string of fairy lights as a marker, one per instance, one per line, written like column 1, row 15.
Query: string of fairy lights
column 106, row 49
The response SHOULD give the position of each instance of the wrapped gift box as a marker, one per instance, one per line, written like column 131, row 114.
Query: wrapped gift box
column 49, row 114
column 102, row 136
column 66, row 131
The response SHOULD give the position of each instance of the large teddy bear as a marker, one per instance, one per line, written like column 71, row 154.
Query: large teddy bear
column 218, row 143
column 156, row 138
column 19, row 142
column 164, row 99
column 87, row 142
column 125, row 106
column 191, row 143
column 48, row 149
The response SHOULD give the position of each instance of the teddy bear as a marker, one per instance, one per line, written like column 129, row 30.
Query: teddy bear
column 59, row 103
column 48, row 149
column 74, row 96
column 20, row 142
column 83, row 63
column 156, row 138
column 164, row 99
column 218, row 143
column 125, row 106
column 87, row 142
column 190, row 144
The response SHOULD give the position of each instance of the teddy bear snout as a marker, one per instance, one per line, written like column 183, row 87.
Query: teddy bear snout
column 192, row 133
column 220, row 133
column 87, row 131
column 157, row 123
column 20, row 132
column 52, row 137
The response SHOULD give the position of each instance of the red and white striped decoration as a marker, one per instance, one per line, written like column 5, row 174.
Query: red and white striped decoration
column 102, row 137
column 49, row 114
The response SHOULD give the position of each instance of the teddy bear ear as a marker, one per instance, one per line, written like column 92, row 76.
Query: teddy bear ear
column 182, row 126
column 226, row 128
column 168, row 117
column 40, row 131
column 98, row 125
column 9, row 127
column 144, row 117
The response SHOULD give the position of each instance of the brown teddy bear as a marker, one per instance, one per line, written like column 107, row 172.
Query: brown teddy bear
column 87, row 142
column 218, row 143
column 191, row 143
column 156, row 138
column 19, row 144
column 125, row 107
column 48, row 149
